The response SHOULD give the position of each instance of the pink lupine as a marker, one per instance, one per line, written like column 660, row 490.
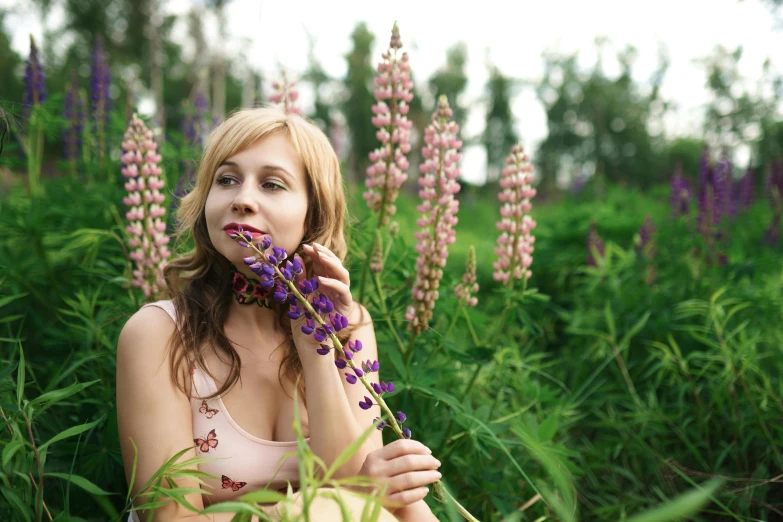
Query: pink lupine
column 515, row 243
column 147, row 230
column 438, row 184
column 465, row 290
column 389, row 164
column 285, row 94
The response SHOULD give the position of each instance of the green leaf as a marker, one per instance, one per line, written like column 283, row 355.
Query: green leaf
column 262, row 496
column 7, row 371
column 232, row 507
column 54, row 396
column 10, row 298
column 22, row 509
column 547, row 429
column 634, row 329
column 20, row 376
column 682, row 507
column 70, row 432
column 610, row 320
column 9, row 450
column 82, row 482
column 346, row 455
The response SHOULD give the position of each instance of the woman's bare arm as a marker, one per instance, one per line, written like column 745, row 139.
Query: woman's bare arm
column 151, row 410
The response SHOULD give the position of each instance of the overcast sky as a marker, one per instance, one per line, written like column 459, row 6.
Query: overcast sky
column 513, row 35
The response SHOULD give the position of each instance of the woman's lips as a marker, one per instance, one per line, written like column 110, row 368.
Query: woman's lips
column 231, row 230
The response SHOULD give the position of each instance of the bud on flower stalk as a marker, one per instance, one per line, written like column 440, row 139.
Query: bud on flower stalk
column 34, row 87
column 595, row 245
column 376, row 256
column 147, row 229
column 438, row 184
column 465, row 290
column 285, row 94
column 393, row 94
column 515, row 243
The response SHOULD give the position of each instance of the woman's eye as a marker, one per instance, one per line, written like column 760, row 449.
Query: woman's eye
column 223, row 180
column 274, row 185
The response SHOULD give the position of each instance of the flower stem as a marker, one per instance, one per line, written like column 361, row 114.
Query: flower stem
column 39, row 492
column 385, row 311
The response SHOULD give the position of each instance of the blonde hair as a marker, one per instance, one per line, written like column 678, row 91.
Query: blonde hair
column 199, row 281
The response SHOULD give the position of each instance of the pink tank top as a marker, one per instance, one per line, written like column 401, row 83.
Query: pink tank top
column 245, row 462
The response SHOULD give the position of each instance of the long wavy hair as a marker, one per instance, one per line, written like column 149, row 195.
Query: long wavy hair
column 199, row 281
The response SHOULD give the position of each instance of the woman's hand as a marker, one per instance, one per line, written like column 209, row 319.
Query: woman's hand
column 405, row 467
column 333, row 282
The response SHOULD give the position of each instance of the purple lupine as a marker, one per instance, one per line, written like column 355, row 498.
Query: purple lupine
column 193, row 128
column 389, row 164
column 438, row 211
column 34, row 85
column 70, row 114
column 468, row 287
column 709, row 210
column 595, row 245
column 515, row 243
column 745, row 190
column 320, row 319
column 147, row 230
column 646, row 245
column 285, row 94
column 681, row 193
column 100, row 80
column 723, row 186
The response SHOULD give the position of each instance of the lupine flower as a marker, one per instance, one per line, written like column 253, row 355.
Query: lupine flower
column 193, row 128
column 465, row 290
column 438, row 184
column 646, row 233
column 709, row 210
column 723, row 186
column 681, row 193
column 744, row 190
column 72, row 114
column 376, row 256
column 389, row 164
column 148, row 231
column 34, row 87
column 595, row 245
column 287, row 291
column 100, row 80
column 285, row 94
column 515, row 243
column 772, row 234
column 275, row 270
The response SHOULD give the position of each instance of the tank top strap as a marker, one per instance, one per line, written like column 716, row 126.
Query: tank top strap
column 167, row 305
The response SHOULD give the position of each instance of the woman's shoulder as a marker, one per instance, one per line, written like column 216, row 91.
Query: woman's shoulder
column 145, row 336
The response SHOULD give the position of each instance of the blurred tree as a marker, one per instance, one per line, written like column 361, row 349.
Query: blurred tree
column 359, row 100
column 318, row 78
column 12, row 89
column 499, row 135
column 599, row 125
column 452, row 80
column 737, row 117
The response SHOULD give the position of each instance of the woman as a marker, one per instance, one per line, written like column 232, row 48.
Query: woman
column 222, row 344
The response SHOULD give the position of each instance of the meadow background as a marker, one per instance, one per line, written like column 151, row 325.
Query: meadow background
column 636, row 364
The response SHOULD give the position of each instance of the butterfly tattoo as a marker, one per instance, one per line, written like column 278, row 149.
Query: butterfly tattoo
column 206, row 410
column 228, row 483
column 205, row 445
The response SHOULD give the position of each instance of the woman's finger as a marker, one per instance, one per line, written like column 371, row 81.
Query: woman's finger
column 408, row 496
column 402, row 447
column 412, row 480
column 407, row 463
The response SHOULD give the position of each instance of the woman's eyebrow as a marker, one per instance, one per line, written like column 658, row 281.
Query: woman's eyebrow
column 275, row 168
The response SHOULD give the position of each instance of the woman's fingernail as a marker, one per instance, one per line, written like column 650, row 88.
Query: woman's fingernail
column 439, row 475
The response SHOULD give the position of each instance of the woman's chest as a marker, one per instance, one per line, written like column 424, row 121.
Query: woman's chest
column 260, row 404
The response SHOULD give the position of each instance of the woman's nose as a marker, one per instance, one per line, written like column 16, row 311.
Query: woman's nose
column 244, row 203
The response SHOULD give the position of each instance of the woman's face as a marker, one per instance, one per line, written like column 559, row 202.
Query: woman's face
column 263, row 186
